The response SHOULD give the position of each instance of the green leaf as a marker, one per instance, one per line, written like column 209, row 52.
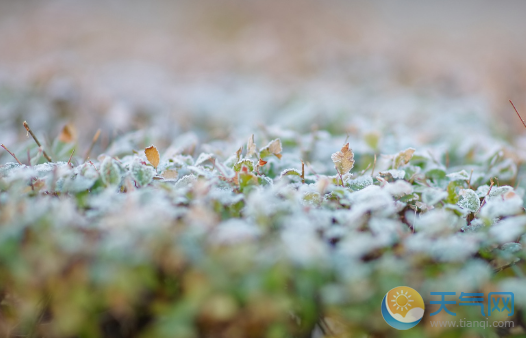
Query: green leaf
column 110, row 172
column 246, row 162
column 469, row 200
column 142, row 174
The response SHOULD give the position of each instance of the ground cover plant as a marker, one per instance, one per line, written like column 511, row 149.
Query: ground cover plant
column 275, row 233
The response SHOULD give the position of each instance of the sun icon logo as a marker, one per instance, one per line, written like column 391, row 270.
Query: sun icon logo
column 402, row 301
column 402, row 307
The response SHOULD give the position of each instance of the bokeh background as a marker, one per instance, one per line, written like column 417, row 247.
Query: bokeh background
column 228, row 66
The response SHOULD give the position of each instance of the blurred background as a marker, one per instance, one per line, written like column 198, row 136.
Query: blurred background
column 227, row 65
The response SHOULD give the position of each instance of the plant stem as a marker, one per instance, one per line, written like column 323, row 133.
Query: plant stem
column 374, row 165
column 11, row 153
column 302, row 172
column 523, row 123
column 73, row 152
column 37, row 142
column 484, row 201
column 95, row 138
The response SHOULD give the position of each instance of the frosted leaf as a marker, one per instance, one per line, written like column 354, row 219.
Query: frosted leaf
column 395, row 174
column 288, row 172
column 185, row 181
column 372, row 199
column 398, row 188
column 402, row 157
column 265, row 180
column 436, row 221
column 142, row 174
column 312, row 199
column 203, row 157
column 499, row 191
column 5, row 169
column 459, row 176
column 482, row 191
column 246, row 162
column 508, row 229
column 432, row 196
column 201, row 171
column 78, row 183
column 273, row 148
column 498, row 207
column 251, row 146
column 469, row 200
column 110, row 172
column 234, row 231
column 343, row 160
column 511, row 247
column 359, row 182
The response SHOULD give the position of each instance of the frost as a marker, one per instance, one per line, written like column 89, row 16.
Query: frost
column 234, row 231
column 398, row 188
column 142, row 174
column 499, row 207
column 287, row 172
column 459, row 176
column 110, row 172
column 396, row 174
column 432, row 196
column 469, row 200
column 508, row 229
column 203, row 157
column 185, row 181
column 359, row 182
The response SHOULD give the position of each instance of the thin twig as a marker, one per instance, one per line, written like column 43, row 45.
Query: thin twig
column 484, row 200
column 73, row 152
column 312, row 170
column 367, row 168
column 37, row 142
column 374, row 165
column 302, row 172
column 95, row 138
column 341, row 177
column 519, row 115
column 28, row 158
column 11, row 153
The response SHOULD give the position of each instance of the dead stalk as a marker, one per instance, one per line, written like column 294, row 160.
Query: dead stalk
column 11, row 153
column 484, row 201
column 69, row 161
column 95, row 138
column 519, row 115
column 37, row 142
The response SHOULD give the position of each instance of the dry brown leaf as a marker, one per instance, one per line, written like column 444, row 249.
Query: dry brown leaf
column 170, row 174
column 262, row 163
column 403, row 157
column 251, row 146
column 343, row 160
column 68, row 134
column 152, row 155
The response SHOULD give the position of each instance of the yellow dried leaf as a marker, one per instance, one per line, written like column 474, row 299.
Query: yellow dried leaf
column 275, row 147
column 152, row 155
column 251, row 146
column 68, row 134
column 403, row 157
column 343, row 160
column 170, row 174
